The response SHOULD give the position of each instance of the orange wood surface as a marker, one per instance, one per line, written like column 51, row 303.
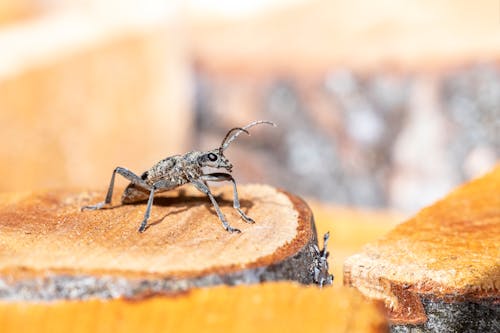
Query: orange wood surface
column 272, row 307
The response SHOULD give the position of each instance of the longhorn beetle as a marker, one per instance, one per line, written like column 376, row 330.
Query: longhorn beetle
column 177, row 170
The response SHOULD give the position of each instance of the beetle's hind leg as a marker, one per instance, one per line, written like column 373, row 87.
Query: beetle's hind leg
column 158, row 186
column 125, row 173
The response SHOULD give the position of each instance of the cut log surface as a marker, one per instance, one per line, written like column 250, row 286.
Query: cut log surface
column 49, row 249
column 440, row 269
column 270, row 307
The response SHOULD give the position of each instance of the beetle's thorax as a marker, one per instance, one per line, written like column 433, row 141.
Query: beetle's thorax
column 189, row 165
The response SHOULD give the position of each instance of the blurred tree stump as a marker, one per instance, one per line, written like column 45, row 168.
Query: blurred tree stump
column 78, row 81
column 49, row 249
column 441, row 269
column 269, row 307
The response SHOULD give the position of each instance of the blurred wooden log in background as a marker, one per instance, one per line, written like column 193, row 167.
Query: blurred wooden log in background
column 269, row 308
column 351, row 85
column 372, row 91
column 82, row 91
column 309, row 38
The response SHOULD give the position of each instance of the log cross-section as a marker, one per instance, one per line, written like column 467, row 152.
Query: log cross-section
column 49, row 249
column 439, row 270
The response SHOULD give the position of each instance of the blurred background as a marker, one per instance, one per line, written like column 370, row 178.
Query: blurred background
column 384, row 104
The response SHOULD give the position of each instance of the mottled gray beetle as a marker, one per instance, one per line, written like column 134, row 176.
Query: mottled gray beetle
column 178, row 170
column 320, row 267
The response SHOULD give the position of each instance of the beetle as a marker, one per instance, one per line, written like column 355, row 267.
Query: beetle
column 177, row 170
column 320, row 268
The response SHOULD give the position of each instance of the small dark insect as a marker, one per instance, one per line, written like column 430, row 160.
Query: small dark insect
column 178, row 170
column 320, row 268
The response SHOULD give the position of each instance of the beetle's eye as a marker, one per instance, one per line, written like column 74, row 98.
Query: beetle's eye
column 212, row 157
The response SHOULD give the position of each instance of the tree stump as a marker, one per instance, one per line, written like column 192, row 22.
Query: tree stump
column 439, row 271
column 51, row 250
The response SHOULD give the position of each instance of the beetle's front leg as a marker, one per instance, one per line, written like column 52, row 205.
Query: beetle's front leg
column 220, row 177
column 125, row 173
column 203, row 187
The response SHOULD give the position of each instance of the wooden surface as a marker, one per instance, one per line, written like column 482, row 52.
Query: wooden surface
column 271, row 307
column 45, row 235
column 449, row 252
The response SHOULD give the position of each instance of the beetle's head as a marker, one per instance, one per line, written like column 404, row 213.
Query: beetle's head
column 215, row 158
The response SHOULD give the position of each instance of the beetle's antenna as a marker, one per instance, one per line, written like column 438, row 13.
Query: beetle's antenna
column 228, row 139
column 223, row 143
column 231, row 131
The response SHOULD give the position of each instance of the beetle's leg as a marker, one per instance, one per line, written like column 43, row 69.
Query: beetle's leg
column 125, row 173
column 148, row 210
column 219, row 177
column 162, row 184
column 203, row 187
